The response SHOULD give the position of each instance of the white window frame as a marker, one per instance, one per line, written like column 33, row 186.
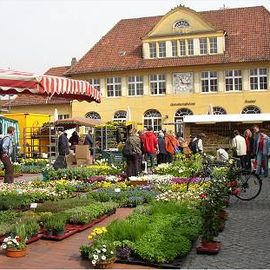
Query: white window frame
column 251, row 109
column 236, row 78
column 63, row 116
column 162, row 49
column 92, row 115
column 95, row 83
column 259, row 78
column 120, row 116
column 156, row 83
column 213, row 45
column 182, row 48
column 152, row 50
column 135, row 82
column 219, row 110
column 115, row 85
column 174, row 48
column 208, row 76
column 152, row 118
column 203, row 46
column 190, row 46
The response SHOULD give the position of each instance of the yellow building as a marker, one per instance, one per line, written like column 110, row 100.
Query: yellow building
column 156, row 70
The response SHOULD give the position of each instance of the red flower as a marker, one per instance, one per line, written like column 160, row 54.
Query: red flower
column 203, row 195
column 236, row 191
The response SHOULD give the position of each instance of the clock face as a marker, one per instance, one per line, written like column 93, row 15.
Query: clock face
column 183, row 82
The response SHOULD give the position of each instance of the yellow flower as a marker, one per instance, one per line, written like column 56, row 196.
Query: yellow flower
column 90, row 237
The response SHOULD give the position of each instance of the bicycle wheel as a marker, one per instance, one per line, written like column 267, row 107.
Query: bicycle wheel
column 249, row 185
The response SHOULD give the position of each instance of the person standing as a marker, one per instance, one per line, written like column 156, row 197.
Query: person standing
column 63, row 150
column 134, row 143
column 6, row 153
column 74, row 140
column 250, row 151
column 171, row 144
column 162, row 155
column 240, row 147
column 150, row 145
column 262, row 153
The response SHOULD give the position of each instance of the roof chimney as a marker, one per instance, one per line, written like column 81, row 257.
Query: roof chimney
column 73, row 61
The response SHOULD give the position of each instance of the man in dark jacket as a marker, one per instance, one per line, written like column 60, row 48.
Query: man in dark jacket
column 63, row 150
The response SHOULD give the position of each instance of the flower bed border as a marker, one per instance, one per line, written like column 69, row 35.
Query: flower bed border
column 60, row 237
column 34, row 238
column 176, row 264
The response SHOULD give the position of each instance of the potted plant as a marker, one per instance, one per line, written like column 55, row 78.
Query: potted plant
column 15, row 246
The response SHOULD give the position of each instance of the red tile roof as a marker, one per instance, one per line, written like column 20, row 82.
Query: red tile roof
column 248, row 39
column 57, row 71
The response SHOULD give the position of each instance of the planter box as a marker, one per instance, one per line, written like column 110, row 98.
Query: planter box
column 34, row 238
column 176, row 264
column 66, row 234
column 83, row 227
column 209, row 248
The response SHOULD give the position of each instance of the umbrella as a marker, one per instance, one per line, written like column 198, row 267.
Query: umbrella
column 14, row 82
column 76, row 121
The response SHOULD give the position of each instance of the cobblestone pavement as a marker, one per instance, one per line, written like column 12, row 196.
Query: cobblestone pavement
column 246, row 238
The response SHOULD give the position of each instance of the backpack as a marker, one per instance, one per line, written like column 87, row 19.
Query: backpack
column 128, row 150
column 193, row 146
column 1, row 144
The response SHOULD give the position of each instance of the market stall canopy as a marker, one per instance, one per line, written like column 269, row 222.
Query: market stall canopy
column 77, row 121
column 14, row 82
column 217, row 118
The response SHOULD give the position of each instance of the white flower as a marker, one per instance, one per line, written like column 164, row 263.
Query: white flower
column 104, row 250
column 103, row 258
column 111, row 252
column 4, row 246
column 98, row 251
column 95, row 257
column 94, row 262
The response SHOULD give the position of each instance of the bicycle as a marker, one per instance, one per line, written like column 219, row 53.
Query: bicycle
column 246, row 184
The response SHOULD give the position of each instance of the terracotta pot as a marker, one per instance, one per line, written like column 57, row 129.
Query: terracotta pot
column 16, row 253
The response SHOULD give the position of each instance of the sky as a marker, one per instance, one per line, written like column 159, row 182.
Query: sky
column 39, row 34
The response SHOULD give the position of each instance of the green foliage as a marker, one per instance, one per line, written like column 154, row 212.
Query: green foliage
column 162, row 244
column 15, row 201
column 56, row 222
column 9, row 216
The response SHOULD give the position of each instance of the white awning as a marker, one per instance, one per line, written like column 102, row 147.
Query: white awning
column 218, row 118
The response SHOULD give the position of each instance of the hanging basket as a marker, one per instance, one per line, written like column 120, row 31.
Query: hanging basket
column 16, row 253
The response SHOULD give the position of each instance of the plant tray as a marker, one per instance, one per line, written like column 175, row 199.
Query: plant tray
column 138, row 183
column 34, row 238
column 60, row 237
column 83, row 227
column 211, row 248
column 176, row 264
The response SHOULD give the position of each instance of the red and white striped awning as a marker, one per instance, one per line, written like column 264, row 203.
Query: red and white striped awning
column 14, row 82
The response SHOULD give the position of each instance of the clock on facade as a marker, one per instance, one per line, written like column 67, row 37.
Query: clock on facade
column 183, row 82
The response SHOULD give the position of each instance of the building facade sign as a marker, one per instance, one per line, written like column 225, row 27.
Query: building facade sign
column 183, row 104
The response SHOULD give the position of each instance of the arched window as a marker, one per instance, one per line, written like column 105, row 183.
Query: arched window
column 152, row 118
column 178, row 119
column 219, row 110
column 92, row 115
column 251, row 109
column 120, row 116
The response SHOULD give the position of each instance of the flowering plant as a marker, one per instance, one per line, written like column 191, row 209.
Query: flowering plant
column 13, row 243
column 102, row 253
column 97, row 231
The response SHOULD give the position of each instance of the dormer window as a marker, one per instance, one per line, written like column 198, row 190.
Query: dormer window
column 153, row 50
column 162, row 49
column 203, row 45
column 213, row 45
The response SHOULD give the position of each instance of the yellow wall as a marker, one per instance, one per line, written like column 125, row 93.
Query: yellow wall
column 197, row 102
column 43, row 109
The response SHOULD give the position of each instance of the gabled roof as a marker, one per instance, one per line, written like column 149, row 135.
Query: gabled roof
column 248, row 40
